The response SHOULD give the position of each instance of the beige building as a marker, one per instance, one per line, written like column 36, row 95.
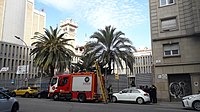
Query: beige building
column 70, row 28
column 18, row 18
column 175, row 34
column 35, row 21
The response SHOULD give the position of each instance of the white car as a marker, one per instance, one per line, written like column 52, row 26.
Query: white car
column 131, row 94
column 192, row 101
column 7, row 103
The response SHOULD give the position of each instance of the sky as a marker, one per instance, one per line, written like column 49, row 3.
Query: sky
column 129, row 16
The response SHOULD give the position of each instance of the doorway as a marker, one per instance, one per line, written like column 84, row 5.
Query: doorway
column 179, row 86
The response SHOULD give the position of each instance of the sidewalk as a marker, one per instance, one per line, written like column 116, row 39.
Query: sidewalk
column 170, row 104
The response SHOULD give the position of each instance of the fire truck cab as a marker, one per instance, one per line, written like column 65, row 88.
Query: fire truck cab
column 76, row 86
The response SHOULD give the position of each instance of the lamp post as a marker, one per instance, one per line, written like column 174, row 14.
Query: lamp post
column 127, row 73
column 26, row 57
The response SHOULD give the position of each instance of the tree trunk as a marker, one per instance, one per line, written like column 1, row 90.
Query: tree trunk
column 51, row 71
column 109, row 68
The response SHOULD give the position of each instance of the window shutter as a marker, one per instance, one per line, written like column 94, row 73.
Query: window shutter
column 168, row 24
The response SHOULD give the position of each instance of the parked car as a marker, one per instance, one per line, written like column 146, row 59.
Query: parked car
column 43, row 94
column 7, row 103
column 191, row 101
column 8, row 92
column 131, row 94
column 26, row 92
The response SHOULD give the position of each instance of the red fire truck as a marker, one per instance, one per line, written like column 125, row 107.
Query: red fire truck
column 76, row 86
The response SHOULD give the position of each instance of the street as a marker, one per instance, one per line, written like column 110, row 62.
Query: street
column 48, row 105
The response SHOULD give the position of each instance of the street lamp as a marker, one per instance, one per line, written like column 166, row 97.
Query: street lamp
column 126, row 73
column 26, row 56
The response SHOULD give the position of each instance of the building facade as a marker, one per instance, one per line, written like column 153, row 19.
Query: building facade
column 175, row 34
column 141, row 75
column 142, row 68
column 18, row 18
column 70, row 28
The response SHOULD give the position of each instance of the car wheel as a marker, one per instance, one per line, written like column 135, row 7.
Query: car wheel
column 14, row 107
column 81, row 98
column 39, row 96
column 196, row 105
column 13, row 94
column 26, row 95
column 140, row 100
column 55, row 97
column 114, row 99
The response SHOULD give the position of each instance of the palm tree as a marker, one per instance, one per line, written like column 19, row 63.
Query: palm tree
column 51, row 50
column 85, row 63
column 109, row 46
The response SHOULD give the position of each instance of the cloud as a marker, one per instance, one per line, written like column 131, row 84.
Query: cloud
column 61, row 5
column 121, row 14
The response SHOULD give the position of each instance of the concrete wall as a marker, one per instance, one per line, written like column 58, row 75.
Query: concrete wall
column 28, row 22
column 14, row 18
column 143, row 79
column 2, row 8
column 117, row 85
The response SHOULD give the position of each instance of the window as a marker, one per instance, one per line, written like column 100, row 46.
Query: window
column 171, row 49
column 53, row 81
column 63, row 81
column 2, row 96
column 35, row 88
column 166, row 2
column 169, row 24
column 71, row 29
column 125, row 91
column 135, row 91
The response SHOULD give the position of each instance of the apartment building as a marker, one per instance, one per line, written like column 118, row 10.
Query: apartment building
column 18, row 18
column 175, row 34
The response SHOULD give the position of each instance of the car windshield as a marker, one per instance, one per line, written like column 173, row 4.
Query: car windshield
column 1, row 88
column 53, row 81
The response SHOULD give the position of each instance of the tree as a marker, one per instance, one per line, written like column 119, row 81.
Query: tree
column 110, row 46
column 51, row 50
column 86, row 63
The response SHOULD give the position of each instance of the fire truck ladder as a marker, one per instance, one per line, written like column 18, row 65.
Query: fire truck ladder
column 102, row 86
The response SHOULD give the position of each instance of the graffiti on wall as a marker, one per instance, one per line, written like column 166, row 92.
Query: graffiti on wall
column 177, row 89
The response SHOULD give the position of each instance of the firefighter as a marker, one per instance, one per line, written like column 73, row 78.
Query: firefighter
column 110, row 92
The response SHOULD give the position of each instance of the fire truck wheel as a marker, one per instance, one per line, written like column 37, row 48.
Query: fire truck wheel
column 55, row 97
column 81, row 98
column 68, row 97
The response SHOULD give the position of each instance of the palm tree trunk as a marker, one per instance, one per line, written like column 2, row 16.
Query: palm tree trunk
column 52, row 70
column 109, row 68
column 56, row 67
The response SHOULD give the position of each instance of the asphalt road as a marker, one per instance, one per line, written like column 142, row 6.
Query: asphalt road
column 48, row 105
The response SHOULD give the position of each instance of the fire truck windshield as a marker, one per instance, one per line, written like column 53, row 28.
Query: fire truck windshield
column 53, row 81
